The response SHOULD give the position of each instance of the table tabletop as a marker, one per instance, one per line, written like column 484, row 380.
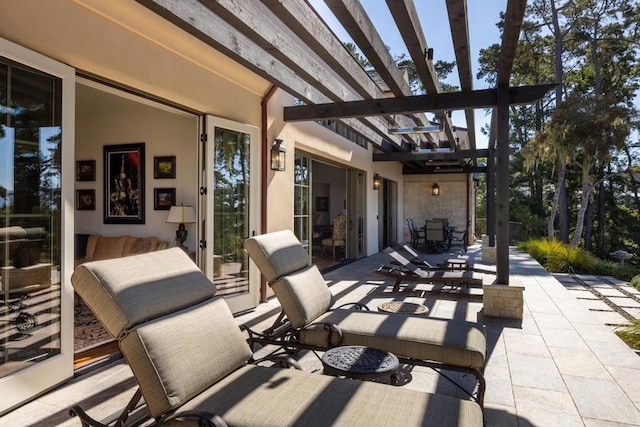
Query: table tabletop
column 359, row 362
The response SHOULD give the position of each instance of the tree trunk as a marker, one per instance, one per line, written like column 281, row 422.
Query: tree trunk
column 588, row 229
column 560, row 197
column 562, row 171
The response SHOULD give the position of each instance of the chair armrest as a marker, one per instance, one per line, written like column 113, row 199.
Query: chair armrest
column 356, row 305
column 285, row 362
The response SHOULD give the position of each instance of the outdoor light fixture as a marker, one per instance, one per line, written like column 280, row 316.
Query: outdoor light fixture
column 435, row 189
column 414, row 129
column 181, row 215
column 278, row 153
column 377, row 182
column 429, row 54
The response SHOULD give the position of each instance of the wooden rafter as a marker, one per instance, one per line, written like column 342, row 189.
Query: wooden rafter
column 193, row 17
column 356, row 22
column 249, row 19
column 484, row 98
column 459, row 23
column 406, row 17
column 426, row 155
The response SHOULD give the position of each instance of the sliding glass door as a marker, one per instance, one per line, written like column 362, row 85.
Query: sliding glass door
column 36, row 223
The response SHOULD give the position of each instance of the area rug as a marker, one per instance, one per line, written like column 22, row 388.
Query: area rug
column 88, row 331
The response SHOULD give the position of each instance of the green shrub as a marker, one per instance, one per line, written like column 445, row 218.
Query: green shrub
column 636, row 282
column 558, row 257
column 630, row 335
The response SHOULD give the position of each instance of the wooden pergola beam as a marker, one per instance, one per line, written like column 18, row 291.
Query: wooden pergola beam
column 406, row 17
column 459, row 23
column 431, row 155
column 484, row 98
column 193, row 17
column 249, row 19
column 356, row 22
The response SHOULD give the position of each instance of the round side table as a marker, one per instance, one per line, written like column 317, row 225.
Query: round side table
column 359, row 362
column 403, row 307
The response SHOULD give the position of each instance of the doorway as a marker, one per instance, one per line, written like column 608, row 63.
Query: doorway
column 387, row 214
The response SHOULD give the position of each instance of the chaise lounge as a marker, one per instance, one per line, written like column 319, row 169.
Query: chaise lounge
column 194, row 367
column 308, row 322
column 408, row 271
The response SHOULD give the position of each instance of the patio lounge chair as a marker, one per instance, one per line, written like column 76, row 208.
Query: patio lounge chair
column 424, row 263
column 408, row 271
column 308, row 322
column 194, row 367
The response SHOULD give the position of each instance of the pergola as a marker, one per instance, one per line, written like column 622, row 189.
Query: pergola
column 287, row 43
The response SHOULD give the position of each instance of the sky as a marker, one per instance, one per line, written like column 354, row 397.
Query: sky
column 482, row 15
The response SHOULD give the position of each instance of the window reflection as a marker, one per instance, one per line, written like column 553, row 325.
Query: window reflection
column 30, row 190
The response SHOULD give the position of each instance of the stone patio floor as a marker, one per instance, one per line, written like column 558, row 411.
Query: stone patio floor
column 562, row 365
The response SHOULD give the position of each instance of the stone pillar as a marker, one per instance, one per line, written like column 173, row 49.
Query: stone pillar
column 505, row 301
column 488, row 252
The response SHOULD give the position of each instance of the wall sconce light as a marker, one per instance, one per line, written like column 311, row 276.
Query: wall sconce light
column 278, row 155
column 435, row 189
column 377, row 181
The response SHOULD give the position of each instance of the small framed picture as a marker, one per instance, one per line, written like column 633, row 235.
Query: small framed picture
column 322, row 204
column 164, row 167
column 164, row 198
column 86, row 200
column 86, row 170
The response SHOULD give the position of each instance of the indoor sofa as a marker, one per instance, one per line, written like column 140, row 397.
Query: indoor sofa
column 107, row 247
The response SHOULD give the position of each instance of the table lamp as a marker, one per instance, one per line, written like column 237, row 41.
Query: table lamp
column 181, row 215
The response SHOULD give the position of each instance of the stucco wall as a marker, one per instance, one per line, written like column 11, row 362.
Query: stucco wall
column 325, row 144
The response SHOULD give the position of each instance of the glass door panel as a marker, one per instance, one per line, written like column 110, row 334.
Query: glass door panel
column 356, row 213
column 231, row 205
column 36, row 324
column 302, row 196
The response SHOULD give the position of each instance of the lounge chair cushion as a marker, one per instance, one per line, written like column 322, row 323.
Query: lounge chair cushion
column 453, row 342
column 284, row 397
column 176, row 357
column 277, row 254
column 133, row 289
column 303, row 295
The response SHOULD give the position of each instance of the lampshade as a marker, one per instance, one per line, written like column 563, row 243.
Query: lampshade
column 181, row 215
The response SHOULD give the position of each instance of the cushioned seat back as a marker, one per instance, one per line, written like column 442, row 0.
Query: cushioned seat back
column 177, row 338
column 303, row 295
column 123, row 292
column 277, row 254
column 299, row 286
column 178, row 356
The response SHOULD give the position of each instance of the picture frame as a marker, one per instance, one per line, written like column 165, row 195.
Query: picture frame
column 164, row 167
column 164, row 198
column 85, row 170
column 86, row 200
column 322, row 204
column 124, row 183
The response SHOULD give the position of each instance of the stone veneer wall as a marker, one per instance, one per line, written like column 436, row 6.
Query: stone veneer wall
column 452, row 203
column 505, row 301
